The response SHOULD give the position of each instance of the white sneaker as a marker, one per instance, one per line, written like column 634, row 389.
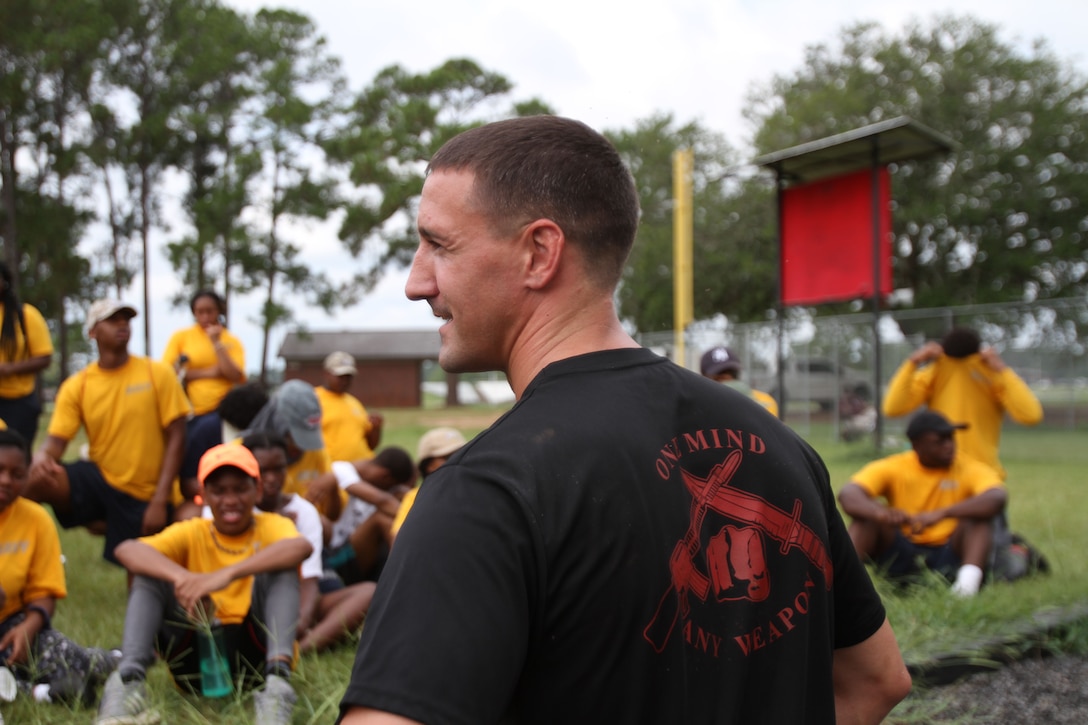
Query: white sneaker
column 8, row 688
column 125, row 703
column 275, row 702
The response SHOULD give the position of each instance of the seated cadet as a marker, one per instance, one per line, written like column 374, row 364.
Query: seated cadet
column 240, row 568
column 435, row 448
column 294, row 413
column 722, row 364
column 324, row 619
column 133, row 411
column 31, row 582
column 939, row 507
column 359, row 540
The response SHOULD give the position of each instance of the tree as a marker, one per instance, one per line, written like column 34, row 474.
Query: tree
column 49, row 61
column 297, row 81
column 150, row 66
column 218, row 156
column 729, row 229
column 393, row 128
column 1001, row 218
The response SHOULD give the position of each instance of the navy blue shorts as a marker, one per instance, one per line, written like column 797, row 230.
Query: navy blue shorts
column 92, row 499
column 903, row 558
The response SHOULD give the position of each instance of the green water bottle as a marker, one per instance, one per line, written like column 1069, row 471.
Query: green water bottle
column 214, row 669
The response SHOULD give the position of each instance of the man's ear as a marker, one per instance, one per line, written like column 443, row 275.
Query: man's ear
column 547, row 244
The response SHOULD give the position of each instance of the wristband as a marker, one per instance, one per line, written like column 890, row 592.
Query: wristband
column 46, row 622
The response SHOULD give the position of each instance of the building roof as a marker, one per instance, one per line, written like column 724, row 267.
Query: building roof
column 306, row 346
column 885, row 142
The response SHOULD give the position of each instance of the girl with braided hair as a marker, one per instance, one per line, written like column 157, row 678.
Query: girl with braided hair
column 25, row 350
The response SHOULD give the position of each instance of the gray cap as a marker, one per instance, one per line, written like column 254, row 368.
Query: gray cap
column 298, row 411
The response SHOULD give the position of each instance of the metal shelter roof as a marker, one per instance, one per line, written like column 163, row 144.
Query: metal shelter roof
column 897, row 139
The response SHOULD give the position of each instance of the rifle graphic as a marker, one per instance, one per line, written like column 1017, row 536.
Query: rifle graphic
column 681, row 563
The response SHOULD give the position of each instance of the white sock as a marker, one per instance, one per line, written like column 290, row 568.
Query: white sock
column 968, row 580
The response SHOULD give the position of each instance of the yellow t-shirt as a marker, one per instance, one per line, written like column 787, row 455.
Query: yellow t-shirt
column 204, row 393
column 908, row 486
column 966, row 390
column 344, row 425
column 125, row 412
column 767, row 401
column 37, row 343
column 402, row 512
column 30, row 563
column 197, row 546
column 308, row 467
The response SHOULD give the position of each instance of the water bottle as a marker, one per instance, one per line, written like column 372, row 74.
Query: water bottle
column 214, row 669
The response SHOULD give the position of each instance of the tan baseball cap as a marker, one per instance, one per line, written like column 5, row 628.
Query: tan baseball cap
column 103, row 310
column 439, row 442
column 340, row 363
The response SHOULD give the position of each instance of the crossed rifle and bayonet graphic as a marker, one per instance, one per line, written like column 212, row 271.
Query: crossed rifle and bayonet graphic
column 715, row 493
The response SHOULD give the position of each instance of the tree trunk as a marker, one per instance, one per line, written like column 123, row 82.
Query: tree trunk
column 7, row 183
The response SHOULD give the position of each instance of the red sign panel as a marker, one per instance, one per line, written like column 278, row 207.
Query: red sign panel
column 827, row 239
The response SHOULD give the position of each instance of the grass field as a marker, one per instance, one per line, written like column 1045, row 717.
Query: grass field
column 1046, row 474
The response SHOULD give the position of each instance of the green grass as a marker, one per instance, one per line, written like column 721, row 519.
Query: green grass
column 1046, row 475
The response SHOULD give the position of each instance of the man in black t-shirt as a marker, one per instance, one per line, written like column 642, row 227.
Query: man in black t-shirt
column 631, row 543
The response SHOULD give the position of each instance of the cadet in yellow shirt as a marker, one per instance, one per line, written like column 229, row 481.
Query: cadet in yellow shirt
column 31, row 582
column 25, row 350
column 939, row 506
column 294, row 413
column 134, row 412
column 351, row 434
column 722, row 364
column 209, row 358
column 240, row 567
column 962, row 381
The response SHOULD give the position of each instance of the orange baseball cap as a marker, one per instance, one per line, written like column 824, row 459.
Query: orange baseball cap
column 227, row 454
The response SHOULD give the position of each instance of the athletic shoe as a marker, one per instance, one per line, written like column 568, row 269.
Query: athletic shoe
column 275, row 702
column 125, row 703
column 8, row 688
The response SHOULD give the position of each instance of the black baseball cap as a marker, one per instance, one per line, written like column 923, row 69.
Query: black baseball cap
column 931, row 421
column 718, row 360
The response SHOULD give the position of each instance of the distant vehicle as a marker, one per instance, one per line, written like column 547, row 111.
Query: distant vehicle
column 815, row 379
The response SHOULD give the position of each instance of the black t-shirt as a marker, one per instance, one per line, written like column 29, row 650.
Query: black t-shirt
column 631, row 543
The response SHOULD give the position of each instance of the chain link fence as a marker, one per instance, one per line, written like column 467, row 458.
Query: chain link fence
column 831, row 363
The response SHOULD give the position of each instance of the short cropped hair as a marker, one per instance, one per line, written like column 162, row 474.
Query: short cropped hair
column 13, row 439
column 398, row 462
column 547, row 167
column 240, row 406
column 959, row 342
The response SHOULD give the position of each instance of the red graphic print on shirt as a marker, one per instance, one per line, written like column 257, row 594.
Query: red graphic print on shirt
column 735, row 556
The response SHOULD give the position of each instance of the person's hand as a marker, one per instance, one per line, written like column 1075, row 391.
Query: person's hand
column 927, row 353
column 190, row 588
column 155, row 517
column 892, row 516
column 921, row 522
column 214, row 331
column 992, row 360
column 16, row 643
column 44, row 466
column 377, row 420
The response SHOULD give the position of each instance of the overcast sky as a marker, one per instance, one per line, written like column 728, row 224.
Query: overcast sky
column 603, row 62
